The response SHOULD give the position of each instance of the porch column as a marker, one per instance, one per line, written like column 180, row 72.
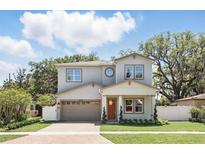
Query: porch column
column 120, row 103
column 103, row 105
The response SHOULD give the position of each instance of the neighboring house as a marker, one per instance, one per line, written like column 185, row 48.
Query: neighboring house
column 86, row 88
column 197, row 101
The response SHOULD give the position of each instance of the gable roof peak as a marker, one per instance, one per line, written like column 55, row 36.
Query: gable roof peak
column 134, row 54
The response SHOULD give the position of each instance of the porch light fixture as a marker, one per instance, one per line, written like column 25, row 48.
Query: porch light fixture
column 110, row 102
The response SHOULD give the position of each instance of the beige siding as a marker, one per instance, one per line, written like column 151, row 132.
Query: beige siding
column 120, row 71
column 129, row 88
column 87, row 92
column 107, row 80
column 89, row 74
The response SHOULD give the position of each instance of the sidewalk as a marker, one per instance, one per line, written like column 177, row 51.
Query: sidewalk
column 97, row 133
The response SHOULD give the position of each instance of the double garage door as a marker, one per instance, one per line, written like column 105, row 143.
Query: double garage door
column 80, row 111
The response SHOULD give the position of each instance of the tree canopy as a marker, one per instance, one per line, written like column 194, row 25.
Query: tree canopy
column 180, row 63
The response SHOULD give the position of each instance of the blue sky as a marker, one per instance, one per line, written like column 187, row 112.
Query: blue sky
column 34, row 35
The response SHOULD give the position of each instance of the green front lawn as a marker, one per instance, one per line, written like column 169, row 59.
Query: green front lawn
column 32, row 128
column 172, row 126
column 29, row 128
column 156, row 139
column 4, row 138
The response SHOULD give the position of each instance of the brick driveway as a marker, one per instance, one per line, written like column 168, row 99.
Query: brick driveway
column 65, row 139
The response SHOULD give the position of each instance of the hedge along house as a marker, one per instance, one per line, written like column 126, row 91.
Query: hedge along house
column 86, row 88
column 197, row 101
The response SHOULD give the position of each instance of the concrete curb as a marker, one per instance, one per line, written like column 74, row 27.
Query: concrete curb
column 97, row 133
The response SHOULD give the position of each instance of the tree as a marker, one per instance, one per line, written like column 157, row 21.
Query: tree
column 45, row 100
column 21, row 79
column 179, row 60
column 13, row 103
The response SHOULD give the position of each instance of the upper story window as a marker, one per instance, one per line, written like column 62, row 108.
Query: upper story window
column 109, row 72
column 73, row 74
column 134, row 71
column 139, row 72
column 129, row 72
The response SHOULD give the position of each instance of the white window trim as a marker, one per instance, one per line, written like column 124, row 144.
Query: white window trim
column 141, row 65
column 135, row 105
column 129, row 105
column 74, row 75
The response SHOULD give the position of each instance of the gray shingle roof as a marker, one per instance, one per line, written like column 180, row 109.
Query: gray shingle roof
column 88, row 63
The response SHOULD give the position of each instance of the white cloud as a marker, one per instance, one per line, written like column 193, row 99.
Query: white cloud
column 5, row 69
column 68, row 52
column 21, row 48
column 76, row 30
column 8, row 67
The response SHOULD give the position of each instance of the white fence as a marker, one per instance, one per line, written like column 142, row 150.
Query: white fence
column 174, row 112
column 51, row 113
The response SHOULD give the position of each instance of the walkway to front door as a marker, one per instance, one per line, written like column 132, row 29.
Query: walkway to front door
column 65, row 139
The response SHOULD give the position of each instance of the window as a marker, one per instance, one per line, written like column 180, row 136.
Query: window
column 73, row 74
column 139, row 72
column 139, row 104
column 128, row 106
column 109, row 72
column 135, row 105
column 129, row 72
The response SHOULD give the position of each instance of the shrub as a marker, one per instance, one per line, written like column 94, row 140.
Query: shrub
column 155, row 112
column 195, row 112
column 144, row 122
column 29, row 121
column 104, row 118
column 202, row 113
column 22, row 117
column 121, row 114
column 1, row 123
column 163, row 122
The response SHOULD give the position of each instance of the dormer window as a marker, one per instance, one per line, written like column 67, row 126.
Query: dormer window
column 73, row 74
column 134, row 72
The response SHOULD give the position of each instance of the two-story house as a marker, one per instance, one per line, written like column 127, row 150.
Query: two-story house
column 85, row 89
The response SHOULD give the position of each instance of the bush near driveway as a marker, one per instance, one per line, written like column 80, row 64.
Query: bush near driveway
column 29, row 121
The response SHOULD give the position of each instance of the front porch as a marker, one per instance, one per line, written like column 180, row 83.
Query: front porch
column 133, row 107
column 136, row 99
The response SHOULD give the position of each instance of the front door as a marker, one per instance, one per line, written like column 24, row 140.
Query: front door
column 112, row 108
